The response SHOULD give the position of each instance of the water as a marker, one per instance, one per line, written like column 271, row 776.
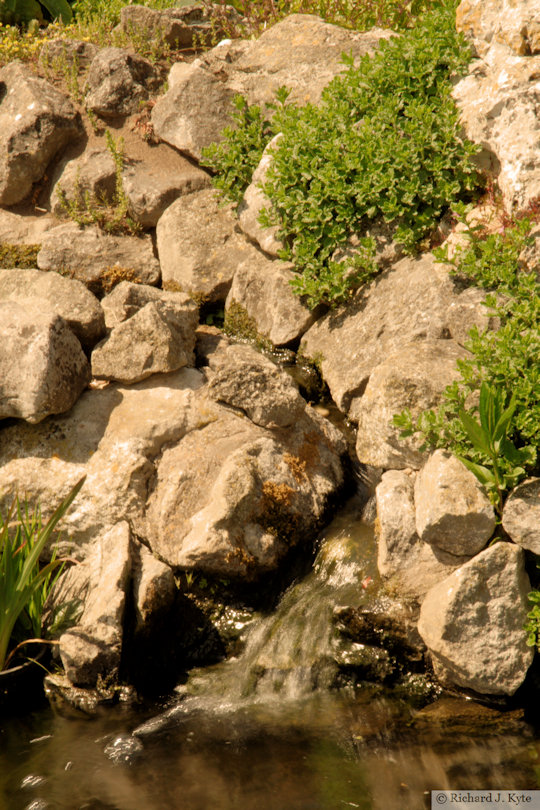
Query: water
column 264, row 732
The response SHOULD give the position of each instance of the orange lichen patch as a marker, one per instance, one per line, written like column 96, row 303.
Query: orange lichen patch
column 296, row 466
column 279, row 493
column 308, row 453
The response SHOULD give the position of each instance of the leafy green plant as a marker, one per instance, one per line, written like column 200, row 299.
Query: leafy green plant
column 501, row 373
column 24, row 584
column 23, row 11
column 111, row 215
column 383, row 145
column 532, row 625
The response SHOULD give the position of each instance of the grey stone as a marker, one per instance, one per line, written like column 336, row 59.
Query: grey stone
column 194, row 111
column 93, row 173
column 118, row 81
column 43, row 369
column 151, row 192
column 67, row 297
column 36, row 122
column 97, row 259
column 58, row 53
column 255, row 200
column 154, row 588
column 198, row 248
column 516, row 25
column 249, row 381
column 181, row 27
column 406, row 303
column 261, row 287
column 92, row 648
column 111, row 435
column 231, row 498
column 128, row 298
column 410, row 566
column 160, row 337
column 412, row 378
column 452, row 511
column 27, row 229
column 472, row 623
column 521, row 515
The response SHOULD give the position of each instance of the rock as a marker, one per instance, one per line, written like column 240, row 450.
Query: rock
column 515, row 25
column 177, row 27
column 413, row 377
column 154, row 588
column 255, row 200
column 92, row 173
column 118, row 81
column 231, row 498
column 91, row 649
column 67, row 297
column 36, row 122
column 301, row 52
column 194, row 111
column 198, row 248
column 128, row 298
column 411, row 566
column 150, row 192
column 58, row 53
column 97, row 259
column 113, row 436
column 386, row 251
column 468, row 310
column 521, row 515
column 472, row 623
column 261, row 291
column 498, row 100
column 16, row 229
column 160, row 337
column 210, row 341
column 452, row 511
column 249, row 381
column 42, row 367
column 352, row 340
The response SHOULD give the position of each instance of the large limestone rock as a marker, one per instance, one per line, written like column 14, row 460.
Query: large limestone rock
column 118, row 81
column 414, row 378
column 261, row 290
column 93, row 173
column 406, row 303
column 301, row 52
column 160, row 337
column 36, row 122
column 194, row 111
column 112, row 435
column 250, row 382
column 67, row 297
column 498, row 101
column 199, row 250
column 521, row 515
column 27, row 229
column 514, row 24
column 92, row 648
column 452, row 511
column 57, row 53
column 231, row 498
column 472, row 623
column 128, row 298
column 97, row 259
column 43, row 369
column 150, row 189
column 179, row 28
column 410, row 565
column 255, row 200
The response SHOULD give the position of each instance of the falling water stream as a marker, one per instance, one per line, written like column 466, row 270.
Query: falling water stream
column 263, row 731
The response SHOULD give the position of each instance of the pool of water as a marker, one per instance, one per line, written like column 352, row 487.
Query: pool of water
column 323, row 752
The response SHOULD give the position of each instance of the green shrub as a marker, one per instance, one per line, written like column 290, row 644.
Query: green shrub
column 505, row 360
column 24, row 11
column 383, row 144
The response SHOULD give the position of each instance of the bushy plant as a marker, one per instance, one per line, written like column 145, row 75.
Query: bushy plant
column 24, row 11
column 384, row 144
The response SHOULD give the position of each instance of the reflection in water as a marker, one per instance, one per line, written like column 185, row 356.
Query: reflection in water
column 253, row 734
